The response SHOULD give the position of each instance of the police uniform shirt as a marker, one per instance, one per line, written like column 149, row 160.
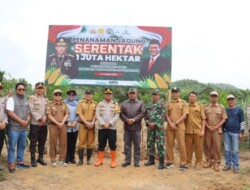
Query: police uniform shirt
column 37, row 105
column 3, row 115
column 107, row 112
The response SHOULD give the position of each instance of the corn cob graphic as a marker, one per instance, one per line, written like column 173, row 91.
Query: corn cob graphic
column 166, row 78
column 160, row 81
column 151, row 83
column 53, row 76
column 59, row 80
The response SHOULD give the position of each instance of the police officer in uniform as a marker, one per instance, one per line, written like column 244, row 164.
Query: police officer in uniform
column 107, row 113
column 38, row 125
column 215, row 117
column 3, row 120
column 65, row 61
column 86, row 110
column 154, row 118
column 58, row 113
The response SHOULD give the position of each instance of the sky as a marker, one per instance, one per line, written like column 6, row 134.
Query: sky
column 210, row 38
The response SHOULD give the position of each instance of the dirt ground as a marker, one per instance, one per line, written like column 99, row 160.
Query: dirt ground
column 146, row 178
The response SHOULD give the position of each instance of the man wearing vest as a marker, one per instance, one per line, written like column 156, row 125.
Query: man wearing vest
column 19, row 115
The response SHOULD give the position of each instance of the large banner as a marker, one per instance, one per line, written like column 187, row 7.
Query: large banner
column 138, row 56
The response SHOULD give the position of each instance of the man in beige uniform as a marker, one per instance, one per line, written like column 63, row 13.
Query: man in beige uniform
column 216, row 116
column 176, row 114
column 86, row 111
column 107, row 113
column 38, row 124
column 58, row 113
column 195, row 129
column 3, row 120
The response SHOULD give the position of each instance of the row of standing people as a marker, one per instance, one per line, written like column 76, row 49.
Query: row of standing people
column 198, row 128
column 188, row 123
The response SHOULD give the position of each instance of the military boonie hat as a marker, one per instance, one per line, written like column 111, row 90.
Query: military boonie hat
column 108, row 91
column 214, row 93
column 156, row 92
column 57, row 90
column 175, row 89
column 230, row 96
column 61, row 41
column 132, row 90
column 39, row 84
column 88, row 91
column 71, row 90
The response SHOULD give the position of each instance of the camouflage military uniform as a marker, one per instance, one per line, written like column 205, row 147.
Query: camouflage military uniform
column 155, row 113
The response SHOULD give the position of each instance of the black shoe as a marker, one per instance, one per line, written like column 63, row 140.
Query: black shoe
column 73, row 161
column 169, row 165
column 41, row 161
column 22, row 165
column 125, row 164
column 182, row 167
column 136, row 165
column 89, row 155
column 161, row 163
column 151, row 161
column 80, row 154
column 67, row 160
column 33, row 160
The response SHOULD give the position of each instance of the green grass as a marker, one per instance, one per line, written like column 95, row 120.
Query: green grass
column 2, row 176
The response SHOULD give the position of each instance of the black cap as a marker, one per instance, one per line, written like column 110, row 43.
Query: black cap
column 69, row 91
column 88, row 91
column 175, row 89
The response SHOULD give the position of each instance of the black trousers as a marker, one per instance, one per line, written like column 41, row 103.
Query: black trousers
column 103, row 136
column 38, row 134
column 71, row 145
column 2, row 133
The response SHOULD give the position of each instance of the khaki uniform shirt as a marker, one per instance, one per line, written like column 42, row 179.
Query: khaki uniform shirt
column 86, row 109
column 57, row 110
column 175, row 109
column 3, row 115
column 37, row 105
column 214, row 115
column 194, row 118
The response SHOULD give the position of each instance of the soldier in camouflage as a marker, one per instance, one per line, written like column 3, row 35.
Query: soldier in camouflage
column 154, row 118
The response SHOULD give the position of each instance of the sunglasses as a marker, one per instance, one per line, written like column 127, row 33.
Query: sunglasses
column 39, row 88
column 132, row 93
column 57, row 94
column 21, row 89
column 71, row 94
